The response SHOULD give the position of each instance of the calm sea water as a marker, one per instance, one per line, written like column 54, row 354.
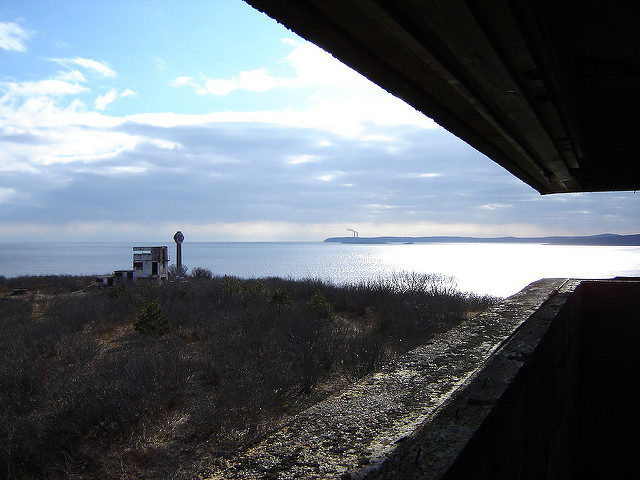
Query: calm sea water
column 497, row 269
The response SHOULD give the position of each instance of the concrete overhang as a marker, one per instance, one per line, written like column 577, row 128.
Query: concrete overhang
column 550, row 90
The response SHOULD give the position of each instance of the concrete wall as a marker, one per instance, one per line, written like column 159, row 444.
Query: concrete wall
column 609, row 422
column 531, row 431
column 571, row 411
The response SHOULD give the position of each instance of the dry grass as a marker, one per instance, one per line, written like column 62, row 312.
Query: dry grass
column 86, row 393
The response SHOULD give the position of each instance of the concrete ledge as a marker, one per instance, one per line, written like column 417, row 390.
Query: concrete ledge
column 377, row 427
column 442, row 447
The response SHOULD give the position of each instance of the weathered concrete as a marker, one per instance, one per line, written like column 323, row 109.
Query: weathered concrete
column 485, row 428
column 377, row 428
column 553, row 403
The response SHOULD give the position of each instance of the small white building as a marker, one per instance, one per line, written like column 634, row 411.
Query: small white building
column 150, row 262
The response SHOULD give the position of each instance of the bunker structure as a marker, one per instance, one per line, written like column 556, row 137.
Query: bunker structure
column 541, row 385
column 148, row 262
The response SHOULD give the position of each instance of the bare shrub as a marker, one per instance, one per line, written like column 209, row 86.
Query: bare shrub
column 201, row 273
column 174, row 272
column 83, row 395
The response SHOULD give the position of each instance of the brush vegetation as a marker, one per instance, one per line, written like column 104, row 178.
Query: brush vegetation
column 158, row 380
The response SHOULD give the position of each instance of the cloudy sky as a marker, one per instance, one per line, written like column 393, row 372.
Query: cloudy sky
column 126, row 120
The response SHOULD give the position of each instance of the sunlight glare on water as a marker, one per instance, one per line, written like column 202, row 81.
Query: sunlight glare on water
column 503, row 269
column 490, row 268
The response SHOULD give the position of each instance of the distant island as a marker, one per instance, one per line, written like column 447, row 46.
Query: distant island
column 610, row 239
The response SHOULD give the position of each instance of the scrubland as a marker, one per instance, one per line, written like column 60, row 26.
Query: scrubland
column 156, row 380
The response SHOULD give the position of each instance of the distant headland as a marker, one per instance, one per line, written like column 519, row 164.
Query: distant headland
column 610, row 239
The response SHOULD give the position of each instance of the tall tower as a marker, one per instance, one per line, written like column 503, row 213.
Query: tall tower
column 178, row 238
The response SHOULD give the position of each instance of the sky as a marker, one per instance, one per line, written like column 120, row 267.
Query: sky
column 126, row 121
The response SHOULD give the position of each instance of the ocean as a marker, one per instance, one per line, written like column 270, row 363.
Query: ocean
column 491, row 268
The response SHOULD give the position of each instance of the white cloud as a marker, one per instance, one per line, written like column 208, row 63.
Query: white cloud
column 49, row 87
column 71, row 76
column 495, row 206
column 298, row 159
column 182, row 81
column 95, row 65
column 420, row 175
column 13, row 37
column 6, row 193
column 312, row 66
column 349, row 117
column 88, row 64
column 315, row 67
column 103, row 100
column 382, row 138
column 343, row 101
column 59, row 134
column 127, row 93
column 164, row 144
column 188, row 81
column 115, row 171
column 74, row 133
column 62, row 129
column 330, row 176
column 125, row 170
column 255, row 80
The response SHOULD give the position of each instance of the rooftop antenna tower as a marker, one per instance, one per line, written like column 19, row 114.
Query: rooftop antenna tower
column 178, row 238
